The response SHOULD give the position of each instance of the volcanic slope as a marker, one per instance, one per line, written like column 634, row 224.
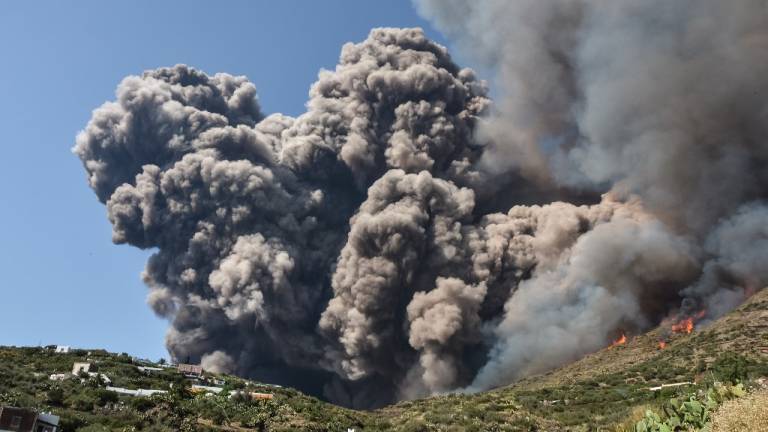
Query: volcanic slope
column 610, row 388
column 602, row 391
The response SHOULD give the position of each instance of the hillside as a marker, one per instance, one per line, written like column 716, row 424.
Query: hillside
column 607, row 388
column 85, row 403
column 601, row 391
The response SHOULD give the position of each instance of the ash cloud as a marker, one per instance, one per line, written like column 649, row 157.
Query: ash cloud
column 405, row 237
column 655, row 102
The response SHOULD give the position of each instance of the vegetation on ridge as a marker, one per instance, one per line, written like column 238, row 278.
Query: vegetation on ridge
column 607, row 390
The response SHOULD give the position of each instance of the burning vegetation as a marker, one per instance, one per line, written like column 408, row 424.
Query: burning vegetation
column 620, row 341
column 683, row 326
column 686, row 325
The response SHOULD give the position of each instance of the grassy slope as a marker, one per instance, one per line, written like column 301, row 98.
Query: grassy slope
column 88, row 406
column 604, row 389
column 600, row 391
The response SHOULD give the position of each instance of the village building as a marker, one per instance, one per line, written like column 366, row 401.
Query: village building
column 190, row 370
column 63, row 349
column 47, row 423
column 206, row 389
column 79, row 368
column 252, row 395
column 59, row 377
column 104, row 379
column 26, row 420
column 17, row 419
column 137, row 392
column 148, row 369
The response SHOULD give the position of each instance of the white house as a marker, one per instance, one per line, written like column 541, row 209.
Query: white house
column 149, row 369
column 59, row 377
column 206, row 389
column 138, row 392
column 63, row 349
column 77, row 368
column 104, row 379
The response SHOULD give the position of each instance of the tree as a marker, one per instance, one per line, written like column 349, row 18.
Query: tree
column 55, row 396
column 181, row 389
column 104, row 397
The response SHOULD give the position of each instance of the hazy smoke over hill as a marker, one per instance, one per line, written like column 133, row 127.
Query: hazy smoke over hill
column 404, row 237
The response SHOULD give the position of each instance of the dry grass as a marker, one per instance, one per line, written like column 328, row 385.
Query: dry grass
column 635, row 415
column 747, row 414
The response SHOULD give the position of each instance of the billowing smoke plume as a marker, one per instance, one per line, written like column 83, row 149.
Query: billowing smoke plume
column 403, row 237
column 662, row 103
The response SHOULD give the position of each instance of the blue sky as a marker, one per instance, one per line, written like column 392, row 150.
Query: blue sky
column 63, row 281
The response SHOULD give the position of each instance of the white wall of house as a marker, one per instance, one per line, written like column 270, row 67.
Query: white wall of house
column 80, row 367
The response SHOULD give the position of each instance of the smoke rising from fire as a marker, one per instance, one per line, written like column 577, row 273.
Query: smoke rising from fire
column 655, row 102
column 383, row 245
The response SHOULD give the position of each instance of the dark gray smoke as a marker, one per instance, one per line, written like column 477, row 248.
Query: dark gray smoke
column 661, row 103
column 358, row 250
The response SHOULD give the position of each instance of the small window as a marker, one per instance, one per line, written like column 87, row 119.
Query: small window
column 15, row 422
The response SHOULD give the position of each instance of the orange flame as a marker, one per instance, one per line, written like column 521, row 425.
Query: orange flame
column 662, row 344
column 683, row 326
column 620, row 341
column 686, row 325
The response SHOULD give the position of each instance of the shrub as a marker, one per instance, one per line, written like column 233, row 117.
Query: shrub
column 104, row 397
column 141, row 404
column 55, row 396
column 731, row 367
column 414, row 426
column 694, row 413
column 71, row 423
column 80, row 402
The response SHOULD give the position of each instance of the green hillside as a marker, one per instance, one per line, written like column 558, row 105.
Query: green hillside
column 607, row 390
column 86, row 404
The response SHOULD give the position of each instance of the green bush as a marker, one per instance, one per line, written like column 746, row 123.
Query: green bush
column 693, row 413
column 414, row 426
column 71, row 423
column 141, row 404
column 81, row 402
column 104, row 397
column 731, row 367
column 55, row 396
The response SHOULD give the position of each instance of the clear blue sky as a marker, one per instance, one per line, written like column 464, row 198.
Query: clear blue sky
column 62, row 280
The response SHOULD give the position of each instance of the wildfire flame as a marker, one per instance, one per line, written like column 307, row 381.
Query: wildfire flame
column 662, row 344
column 683, row 326
column 686, row 325
column 620, row 341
